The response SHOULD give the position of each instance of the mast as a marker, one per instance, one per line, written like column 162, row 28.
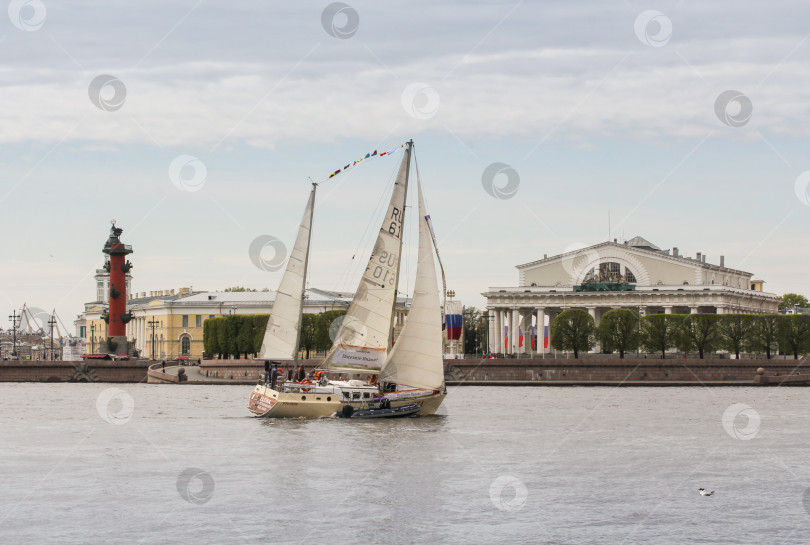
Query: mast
column 306, row 266
column 409, row 150
column 283, row 333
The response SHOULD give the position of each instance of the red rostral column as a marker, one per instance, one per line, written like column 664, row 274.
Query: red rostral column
column 118, row 267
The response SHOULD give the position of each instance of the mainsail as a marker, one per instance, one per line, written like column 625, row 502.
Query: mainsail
column 284, row 325
column 416, row 358
column 364, row 336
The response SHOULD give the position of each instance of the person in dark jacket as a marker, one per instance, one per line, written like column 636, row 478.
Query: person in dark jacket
column 273, row 377
column 301, row 374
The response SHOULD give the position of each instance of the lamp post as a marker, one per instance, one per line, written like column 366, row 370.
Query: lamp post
column 51, row 323
column 152, row 323
column 15, row 321
column 92, row 338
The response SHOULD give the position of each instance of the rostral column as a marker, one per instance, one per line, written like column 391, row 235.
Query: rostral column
column 117, row 316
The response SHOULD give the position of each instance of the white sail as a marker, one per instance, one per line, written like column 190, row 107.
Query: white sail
column 365, row 334
column 283, row 330
column 416, row 358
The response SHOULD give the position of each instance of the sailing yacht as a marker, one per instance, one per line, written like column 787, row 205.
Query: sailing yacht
column 412, row 372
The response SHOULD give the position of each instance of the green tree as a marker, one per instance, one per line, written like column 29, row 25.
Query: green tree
column 471, row 316
column 790, row 300
column 246, row 334
column 222, row 337
column 231, row 329
column 482, row 332
column 659, row 332
column 259, row 327
column 698, row 332
column 573, row 329
column 734, row 332
column 309, row 332
column 238, row 289
column 210, row 339
column 619, row 330
column 764, row 334
column 323, row 339
column 794, row 333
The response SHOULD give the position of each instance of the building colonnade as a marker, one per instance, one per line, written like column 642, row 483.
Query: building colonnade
column 523, row 318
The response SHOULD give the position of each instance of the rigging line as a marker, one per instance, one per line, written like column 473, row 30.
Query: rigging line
column 379, row 212
column 353, row 263
column 433, row 238
column 348, row 272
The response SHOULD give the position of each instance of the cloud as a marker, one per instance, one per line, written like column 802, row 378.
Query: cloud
column 199, row 75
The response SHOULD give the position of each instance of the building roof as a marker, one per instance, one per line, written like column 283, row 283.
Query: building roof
column 313, row 296
column 641, row 242
column 648, row 247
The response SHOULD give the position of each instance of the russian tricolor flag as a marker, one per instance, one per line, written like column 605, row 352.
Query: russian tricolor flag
column 453, row 320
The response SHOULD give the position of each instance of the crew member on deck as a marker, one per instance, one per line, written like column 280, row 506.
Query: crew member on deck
column 301, row 373
column 273, row 377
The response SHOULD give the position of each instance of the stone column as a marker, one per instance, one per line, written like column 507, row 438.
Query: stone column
column 514, row 338
column 720, row 310
column 596, row 347
column 504, row 324
column 527, row 331
column 506, row 327
column 668, row 310
column 497, row 337
column 491, row 330
column 541, row 319
column 693, row 310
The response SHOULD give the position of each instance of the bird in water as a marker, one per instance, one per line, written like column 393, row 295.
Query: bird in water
column 704, row 492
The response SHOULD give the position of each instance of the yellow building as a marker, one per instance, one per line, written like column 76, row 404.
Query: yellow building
column 168, row 324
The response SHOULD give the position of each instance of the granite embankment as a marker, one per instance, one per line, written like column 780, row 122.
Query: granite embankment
column 591, row 370
column 74, row 371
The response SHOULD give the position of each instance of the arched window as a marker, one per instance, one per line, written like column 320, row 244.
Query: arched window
column 185, row 345
column 629, row 277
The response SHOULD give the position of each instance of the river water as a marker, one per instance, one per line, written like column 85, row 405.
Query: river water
column 97, row 463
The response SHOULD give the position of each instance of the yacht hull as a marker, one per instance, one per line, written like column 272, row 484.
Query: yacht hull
column 268, row 403
column 429, row 400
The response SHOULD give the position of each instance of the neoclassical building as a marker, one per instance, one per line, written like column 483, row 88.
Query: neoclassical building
column 167, row 324
column 635, row 274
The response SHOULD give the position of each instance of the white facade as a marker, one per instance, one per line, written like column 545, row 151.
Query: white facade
column 665, row 283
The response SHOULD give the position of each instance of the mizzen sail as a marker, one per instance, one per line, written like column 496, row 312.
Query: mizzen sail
column 283, row 331
column 364, row 336
column 416, row 358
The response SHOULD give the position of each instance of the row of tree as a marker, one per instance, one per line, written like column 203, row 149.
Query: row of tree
column 623, row 330
column 242, row 335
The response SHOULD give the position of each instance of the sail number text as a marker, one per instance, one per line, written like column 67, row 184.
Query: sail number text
column 384, row 272
column 396, row 222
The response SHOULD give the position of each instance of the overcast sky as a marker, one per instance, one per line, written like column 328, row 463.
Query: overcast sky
column 598, row 108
